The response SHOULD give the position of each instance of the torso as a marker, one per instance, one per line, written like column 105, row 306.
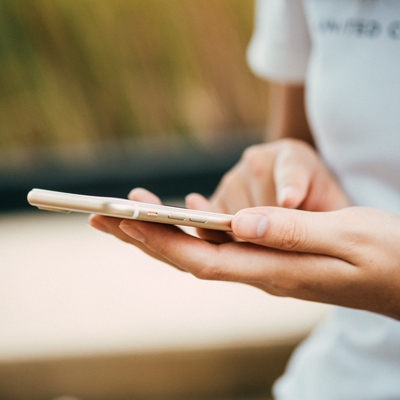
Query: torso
column 353, row 95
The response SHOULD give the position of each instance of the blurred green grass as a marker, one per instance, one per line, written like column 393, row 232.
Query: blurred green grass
column 78, row 72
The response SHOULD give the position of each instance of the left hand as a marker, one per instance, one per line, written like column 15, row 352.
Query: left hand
column 349, row 257
column 111, row 224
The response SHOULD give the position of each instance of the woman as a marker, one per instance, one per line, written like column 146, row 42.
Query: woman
column 345, row 54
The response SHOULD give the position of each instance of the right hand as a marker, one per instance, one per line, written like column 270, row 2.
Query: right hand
column 286, row 173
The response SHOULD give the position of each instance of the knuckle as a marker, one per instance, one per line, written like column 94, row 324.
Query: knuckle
column 291, row 235
column 255, row 160
column 354, row 245
column 294, row 143
column 227, row 185
column 295, row 149
column 252, row 151
column 355, row 238
column 228, row 178
column 287, row 287
column 211, row 272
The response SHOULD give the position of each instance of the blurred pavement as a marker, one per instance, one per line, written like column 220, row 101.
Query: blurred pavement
column 66, row 288
column 68, row 291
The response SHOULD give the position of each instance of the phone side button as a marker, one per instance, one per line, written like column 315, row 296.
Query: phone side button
column 198, row 219
column 120, row 210
column 180, row 217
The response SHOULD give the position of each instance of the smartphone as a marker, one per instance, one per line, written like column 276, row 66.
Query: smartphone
column 123, row 208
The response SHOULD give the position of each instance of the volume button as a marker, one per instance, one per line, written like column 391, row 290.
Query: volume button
column 199, row 219
column 180, row 217
column 122, row 210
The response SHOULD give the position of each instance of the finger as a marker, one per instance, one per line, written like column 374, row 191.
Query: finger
column 294, row 230
column 111, row 225
column 96, row 222
column 263, row 191
column 256, row 169
column 232, row 193
column 144, row 196
column 293, row 171
column 196, row 256
column 301, row 275
column 325, row 193
column 196, row 201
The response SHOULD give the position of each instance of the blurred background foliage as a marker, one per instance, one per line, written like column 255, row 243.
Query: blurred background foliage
column 80, row 71
column 90, row 85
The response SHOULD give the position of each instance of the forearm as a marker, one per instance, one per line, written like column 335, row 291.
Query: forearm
column 287, row 115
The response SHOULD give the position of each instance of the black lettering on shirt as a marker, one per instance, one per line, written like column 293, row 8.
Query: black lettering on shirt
column 362, row 28
column 330, row 26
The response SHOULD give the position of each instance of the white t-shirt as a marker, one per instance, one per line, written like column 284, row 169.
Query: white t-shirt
column 348, row 54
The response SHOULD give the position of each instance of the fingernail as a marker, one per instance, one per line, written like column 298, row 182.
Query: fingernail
column 97, row 225
column 250, row 226
column 285, row 193
column 132, row 232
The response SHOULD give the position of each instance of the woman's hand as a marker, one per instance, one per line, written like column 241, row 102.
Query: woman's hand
column 349, row 257
column 111, row 225
column 286, row 173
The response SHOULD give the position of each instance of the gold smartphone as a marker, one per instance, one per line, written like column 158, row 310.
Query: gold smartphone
column 123, row 208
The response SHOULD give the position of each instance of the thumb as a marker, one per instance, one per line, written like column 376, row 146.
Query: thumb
column 290, row 230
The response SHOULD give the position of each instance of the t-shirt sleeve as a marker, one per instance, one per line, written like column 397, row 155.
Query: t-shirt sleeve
column 280, row 47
